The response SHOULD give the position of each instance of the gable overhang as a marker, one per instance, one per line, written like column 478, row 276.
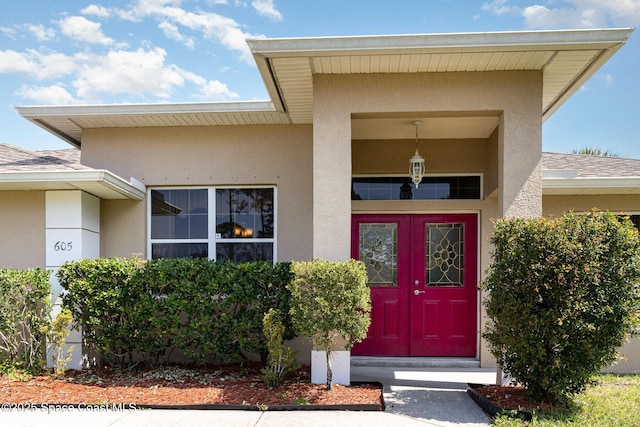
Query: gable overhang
column 566, row 59
column 101, row 183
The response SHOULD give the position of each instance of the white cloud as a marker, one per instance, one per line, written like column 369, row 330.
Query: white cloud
column 267, row 8
column 500, row 7
column 9, row 32
column 41, row 33
column 137, row 72
column 172, row 32
column 81, row 29
column 583, row 14
column 217, row 91
column 606, row 78
column 213, row 26
column 46, row 94
column 553, row 14
column 35, row 64
column 95, row 10
column 14, row 62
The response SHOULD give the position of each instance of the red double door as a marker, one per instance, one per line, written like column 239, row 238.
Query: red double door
column 422, row 272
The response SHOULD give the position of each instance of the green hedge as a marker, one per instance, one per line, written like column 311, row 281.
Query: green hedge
column 134, row 310
column 563, row 296
column 24, row 316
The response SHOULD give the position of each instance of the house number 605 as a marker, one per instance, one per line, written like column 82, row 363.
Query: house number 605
column 62, row 246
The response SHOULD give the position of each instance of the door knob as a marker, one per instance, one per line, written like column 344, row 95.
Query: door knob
column 418, row 292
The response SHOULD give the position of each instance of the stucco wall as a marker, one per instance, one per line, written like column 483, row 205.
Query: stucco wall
column 556, row 205
column 197, row 156
column 22, row 227
column 442, row 156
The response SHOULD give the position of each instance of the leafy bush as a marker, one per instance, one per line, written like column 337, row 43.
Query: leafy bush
column 109, row 303
column 281, row 358
column 24, row 312
column 134, row 310
column 57, row 332
column 329, row 300
column 564, row 295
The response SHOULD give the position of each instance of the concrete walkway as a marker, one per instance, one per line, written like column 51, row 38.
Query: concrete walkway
column 415, row 396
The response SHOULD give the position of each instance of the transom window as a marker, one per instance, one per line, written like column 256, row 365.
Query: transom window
column 218, row 223
column 431, row 188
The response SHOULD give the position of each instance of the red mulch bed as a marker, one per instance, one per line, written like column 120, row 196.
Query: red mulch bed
column 175, row 386
column 510, row 397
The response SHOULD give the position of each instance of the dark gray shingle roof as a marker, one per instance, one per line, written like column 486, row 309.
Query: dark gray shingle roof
column 592, row 166
column 16, row 159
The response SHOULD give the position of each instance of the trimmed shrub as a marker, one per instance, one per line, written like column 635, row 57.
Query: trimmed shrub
column 563, row 296
column 134, row 310
column 105, row 297
column 329, row 300
column 24, row 316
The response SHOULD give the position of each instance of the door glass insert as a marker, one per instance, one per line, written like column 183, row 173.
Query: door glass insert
column 444, row 254
column 379, row 252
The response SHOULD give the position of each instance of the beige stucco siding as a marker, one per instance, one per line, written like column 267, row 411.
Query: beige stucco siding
column 206, row 156
column 22, row 229
column 556, row 205
column 441, row 156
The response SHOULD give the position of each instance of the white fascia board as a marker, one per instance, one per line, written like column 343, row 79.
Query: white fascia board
column 585, row 183
column 495, row 41
column 144, row 109
column 134, row 190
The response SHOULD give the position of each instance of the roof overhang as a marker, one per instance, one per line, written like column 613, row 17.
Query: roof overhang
column 100, row 183
column 566, row 58
column 577, row 186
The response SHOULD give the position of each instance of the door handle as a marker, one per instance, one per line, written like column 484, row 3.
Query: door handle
column 418, row 292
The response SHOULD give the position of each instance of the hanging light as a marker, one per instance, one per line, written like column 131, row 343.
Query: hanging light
column 416, row 163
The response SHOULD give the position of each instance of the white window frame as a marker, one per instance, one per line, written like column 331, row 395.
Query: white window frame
column 211, row 239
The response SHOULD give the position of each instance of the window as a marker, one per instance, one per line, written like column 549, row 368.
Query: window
column 431, row 188
column 218, row 223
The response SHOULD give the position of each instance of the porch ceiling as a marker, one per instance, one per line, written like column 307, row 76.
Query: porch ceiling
column 566, row 58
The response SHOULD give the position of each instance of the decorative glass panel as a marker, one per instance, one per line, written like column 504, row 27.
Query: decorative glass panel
column 379, row 252
column 445, row 249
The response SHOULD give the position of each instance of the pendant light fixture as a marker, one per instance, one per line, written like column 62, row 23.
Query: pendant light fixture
column 416, row 163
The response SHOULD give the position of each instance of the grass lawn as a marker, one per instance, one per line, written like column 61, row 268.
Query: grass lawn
column 613, row 401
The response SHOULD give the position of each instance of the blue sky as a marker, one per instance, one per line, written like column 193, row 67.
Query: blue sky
column 64, row 52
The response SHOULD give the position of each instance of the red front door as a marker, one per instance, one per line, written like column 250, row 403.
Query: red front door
column 422, row 273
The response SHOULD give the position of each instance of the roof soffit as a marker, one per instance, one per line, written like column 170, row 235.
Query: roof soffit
column 567, row 57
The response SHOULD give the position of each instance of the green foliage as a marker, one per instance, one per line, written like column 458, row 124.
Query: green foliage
column 281, row 358
column 57, row 332
column 134, row 310
column 563, row 295
column 104, row 295
column 24, row 310
column 330, row 300
column 596, row 151
column 611, row 400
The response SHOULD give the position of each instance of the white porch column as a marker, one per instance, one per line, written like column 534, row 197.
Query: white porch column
column 72, row 233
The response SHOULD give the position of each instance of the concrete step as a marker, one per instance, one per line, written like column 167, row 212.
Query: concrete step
column 416, row 362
